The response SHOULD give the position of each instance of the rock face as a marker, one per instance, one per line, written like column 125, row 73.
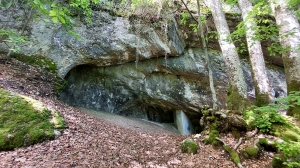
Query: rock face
column 149, row 74
column 154, row 89
column 158, row 86
column 109, row 40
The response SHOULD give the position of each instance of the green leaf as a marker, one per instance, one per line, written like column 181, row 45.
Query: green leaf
column 55, row 19
column 52, row 13
column 62, row 20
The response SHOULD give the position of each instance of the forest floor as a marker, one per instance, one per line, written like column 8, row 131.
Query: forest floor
column 92, row 142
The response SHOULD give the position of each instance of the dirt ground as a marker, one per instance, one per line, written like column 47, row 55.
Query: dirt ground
column 133, row 123
column 93, row 142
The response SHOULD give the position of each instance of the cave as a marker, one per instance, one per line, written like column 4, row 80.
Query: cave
column 95, row 88
column 158, row 114
column 106, row 89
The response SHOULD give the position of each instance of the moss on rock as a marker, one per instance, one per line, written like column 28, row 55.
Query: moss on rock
column 263, row 142
column 236, row 133
column 286, row 131
column 24, row 121
column 235, row 101
column 46, row 64
column 252, row 152
column 39, row 61
column 213, row 134
column 262, row 100
column 234, row 156
column 278, row 161
column 188, row 146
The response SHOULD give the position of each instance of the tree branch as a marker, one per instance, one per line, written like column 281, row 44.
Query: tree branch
column 189, row 11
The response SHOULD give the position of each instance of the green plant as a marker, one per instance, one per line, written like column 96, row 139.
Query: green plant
column 291, row 153
column 12, row 39
column 265, row 28
column 294, row 4
column 263, row 117
column 59, row 12
column 59, row 86
column 184, row 16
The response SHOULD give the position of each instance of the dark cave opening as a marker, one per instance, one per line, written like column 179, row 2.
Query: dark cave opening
column 158, row 114
column 99, row 89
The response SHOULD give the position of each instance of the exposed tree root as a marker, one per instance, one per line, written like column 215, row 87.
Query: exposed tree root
column 234, row 156
column 241, row 139
column 238, row 144
column 255, row 132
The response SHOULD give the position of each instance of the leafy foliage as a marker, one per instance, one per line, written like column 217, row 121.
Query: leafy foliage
column 294, row 4
column 13, row 39
column 85, row 5
column 264, row 117
column 58, row 12
column 266, row 29
column 184, row 18
column 291, row 153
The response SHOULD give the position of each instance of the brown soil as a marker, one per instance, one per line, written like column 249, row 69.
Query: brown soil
column 92, row 142
column 133, row 123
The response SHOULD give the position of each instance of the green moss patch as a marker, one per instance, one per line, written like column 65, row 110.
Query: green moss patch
column 235, row 101
column 252, row 152
column 188, row 146
column 213, row 134
column 39, row 61
column 24, row 121
column 234, row 156
column 236, row 134
column 286, row 131
column 290, row 148
column 262, row 100
column 47, row 65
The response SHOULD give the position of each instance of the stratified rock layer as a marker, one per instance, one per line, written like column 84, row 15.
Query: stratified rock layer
column 138, row 70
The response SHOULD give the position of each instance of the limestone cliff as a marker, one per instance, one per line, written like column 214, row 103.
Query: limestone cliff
column 149, row 74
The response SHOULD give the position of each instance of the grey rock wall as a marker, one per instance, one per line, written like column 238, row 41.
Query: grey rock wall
column 149, row 74
column 156, row 87
column 108, row 40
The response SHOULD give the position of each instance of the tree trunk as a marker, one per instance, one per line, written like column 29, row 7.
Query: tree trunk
column 289, row 33
column 128, row 3
column 237, row 91
column 259, row 74
column 208, row 67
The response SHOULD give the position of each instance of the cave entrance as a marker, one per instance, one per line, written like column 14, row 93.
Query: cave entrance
column 158, row 114
column 97, row 88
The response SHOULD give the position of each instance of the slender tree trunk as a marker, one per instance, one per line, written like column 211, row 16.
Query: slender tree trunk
column 259, row 74
column 208, row 67
column 237, row 91
column 289, row 33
